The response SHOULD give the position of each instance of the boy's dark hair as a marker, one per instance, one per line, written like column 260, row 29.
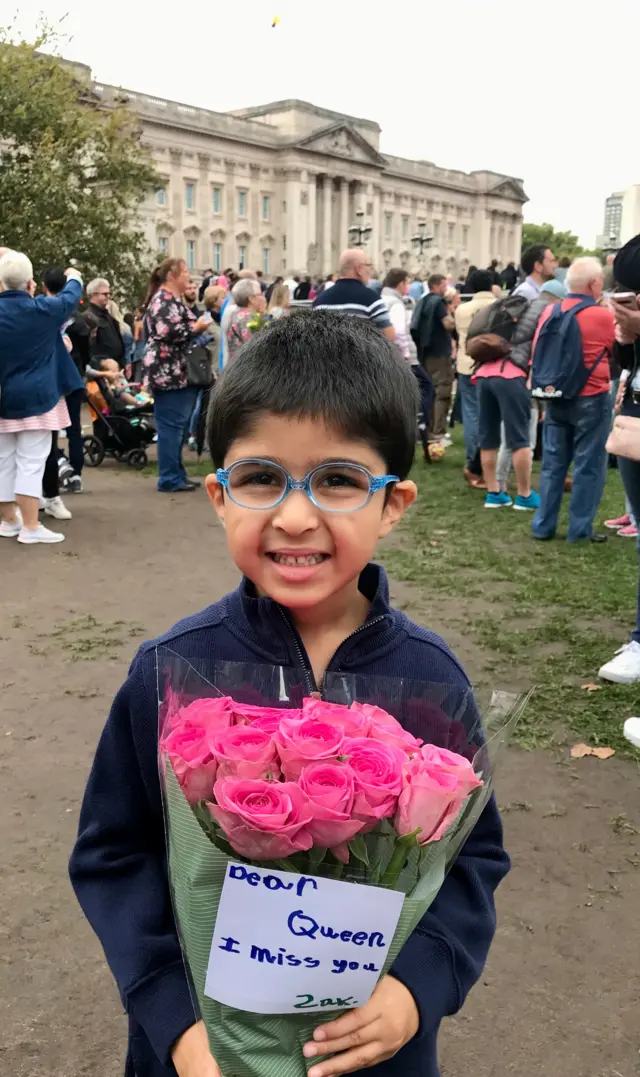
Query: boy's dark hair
column 395, row 277
column 434, row 280
column 532, row 255
column 320, row 365
column 54, row 279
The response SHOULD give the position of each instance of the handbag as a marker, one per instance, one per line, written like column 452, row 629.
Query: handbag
column 624, row 439
column 199, row 367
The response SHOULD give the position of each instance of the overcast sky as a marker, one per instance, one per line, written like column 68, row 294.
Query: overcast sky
column 546, row 92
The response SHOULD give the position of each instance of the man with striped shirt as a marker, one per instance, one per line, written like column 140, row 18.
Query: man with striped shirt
column 350, row 295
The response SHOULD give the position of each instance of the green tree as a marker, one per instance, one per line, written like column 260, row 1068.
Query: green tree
column 72, row 172
column 563, row 244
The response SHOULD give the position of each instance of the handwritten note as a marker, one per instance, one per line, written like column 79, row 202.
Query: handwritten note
column 286, row 943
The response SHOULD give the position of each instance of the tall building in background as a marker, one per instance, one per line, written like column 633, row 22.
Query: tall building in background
column 612, row 219
column 277, row 188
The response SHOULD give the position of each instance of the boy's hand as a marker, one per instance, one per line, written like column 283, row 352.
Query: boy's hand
column 368, row 1035
column 191, row 1055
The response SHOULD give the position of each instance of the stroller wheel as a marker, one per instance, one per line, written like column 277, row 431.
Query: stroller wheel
column 93, row 451
column 138, row 459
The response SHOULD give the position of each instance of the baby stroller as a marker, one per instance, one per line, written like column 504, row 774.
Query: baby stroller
column 118, row 431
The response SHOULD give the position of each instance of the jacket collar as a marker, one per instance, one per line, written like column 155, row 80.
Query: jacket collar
column 15, row 293
column 268, row 628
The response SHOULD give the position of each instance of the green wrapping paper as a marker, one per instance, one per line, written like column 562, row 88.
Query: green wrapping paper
column 250, row 1044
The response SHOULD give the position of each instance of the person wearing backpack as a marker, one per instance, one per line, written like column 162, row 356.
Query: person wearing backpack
column 431, row 328
column 570, row 371
column 503, row 397
column 552, row 291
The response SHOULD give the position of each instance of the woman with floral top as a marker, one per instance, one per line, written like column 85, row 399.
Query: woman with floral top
column 169, row 326
column 251, row 303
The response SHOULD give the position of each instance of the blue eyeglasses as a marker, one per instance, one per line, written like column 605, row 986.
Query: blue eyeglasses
column 335, row 487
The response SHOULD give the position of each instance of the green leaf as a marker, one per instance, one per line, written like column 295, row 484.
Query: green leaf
column 358, row 847
column 316, row 856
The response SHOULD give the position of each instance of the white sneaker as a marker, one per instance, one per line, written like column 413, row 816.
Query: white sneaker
column 632, row 731
column 55, row 506
column 11, row 530
column 41, row 534
column 624, row 668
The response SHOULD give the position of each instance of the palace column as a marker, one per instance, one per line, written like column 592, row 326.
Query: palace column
column 176, row 242
column 311, row 254
column 230, row 212
column 373, row 196
column 296, row 223
column 327, row 254
column 343, row 234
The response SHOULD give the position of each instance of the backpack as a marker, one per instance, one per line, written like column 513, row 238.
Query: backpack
column 492, row 327
column 559, row 370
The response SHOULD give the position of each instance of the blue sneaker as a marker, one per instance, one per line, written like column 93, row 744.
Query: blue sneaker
column 497, row 501
column 527, row 504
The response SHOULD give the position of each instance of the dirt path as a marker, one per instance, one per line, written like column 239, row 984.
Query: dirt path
column 561, row 992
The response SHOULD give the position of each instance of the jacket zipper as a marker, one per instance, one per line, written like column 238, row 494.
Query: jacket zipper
column 308, row 672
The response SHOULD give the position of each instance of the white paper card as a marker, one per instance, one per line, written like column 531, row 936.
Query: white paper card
column 286, row 943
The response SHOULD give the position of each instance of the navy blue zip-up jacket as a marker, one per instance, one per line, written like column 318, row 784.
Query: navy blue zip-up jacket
column 118, row 867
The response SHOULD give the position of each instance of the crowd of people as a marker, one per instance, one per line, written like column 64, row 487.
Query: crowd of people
column 477, row 348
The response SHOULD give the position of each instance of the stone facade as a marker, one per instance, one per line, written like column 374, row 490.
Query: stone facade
column 278, row 186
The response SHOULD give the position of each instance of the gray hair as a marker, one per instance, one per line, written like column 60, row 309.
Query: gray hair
column 242, row 291
column 15, row 271
column 96, row 284
column 581, row 272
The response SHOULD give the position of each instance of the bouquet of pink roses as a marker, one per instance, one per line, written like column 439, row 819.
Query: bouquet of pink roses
column 273, row 799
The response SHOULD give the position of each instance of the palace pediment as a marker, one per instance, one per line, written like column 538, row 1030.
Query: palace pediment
column 342, row 140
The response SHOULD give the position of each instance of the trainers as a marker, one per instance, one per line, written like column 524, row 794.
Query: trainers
column 64, row 469
column 73, row 484
column 620, row 521
column 41, row 534
column 631, row 531
column 497, row 501
column 631, row 731
column 55, row 506
column 527, row 504
column 11, row 530
column 624, row 667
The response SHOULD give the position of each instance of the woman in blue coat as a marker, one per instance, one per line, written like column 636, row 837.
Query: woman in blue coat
column 36, row 373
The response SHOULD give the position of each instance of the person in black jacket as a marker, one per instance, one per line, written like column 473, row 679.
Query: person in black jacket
column 105, row 337
column 509, row 277
column 70, row 470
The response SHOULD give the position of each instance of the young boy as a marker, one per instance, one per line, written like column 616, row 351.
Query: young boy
column 321, row 398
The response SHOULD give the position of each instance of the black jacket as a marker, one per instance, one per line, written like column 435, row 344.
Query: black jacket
column 105, row 338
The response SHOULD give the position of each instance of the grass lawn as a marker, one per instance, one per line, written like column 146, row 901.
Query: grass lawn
column 547, row 614
column 543, row 614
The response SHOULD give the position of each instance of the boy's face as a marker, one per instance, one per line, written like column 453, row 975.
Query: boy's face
column 345, row 541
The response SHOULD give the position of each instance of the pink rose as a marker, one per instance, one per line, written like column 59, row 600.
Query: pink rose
column 331, row 791
column 263, row 820
column 245, row 752
column 192, row 761
column 377, row 771
column 352, row 722
column 212, row 713
column 451, row 763
column 306, row 741
column 432, row 796
column 269, row 718
column 387, row 729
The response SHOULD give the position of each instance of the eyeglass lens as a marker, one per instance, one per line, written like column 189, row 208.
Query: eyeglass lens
column 337, row 487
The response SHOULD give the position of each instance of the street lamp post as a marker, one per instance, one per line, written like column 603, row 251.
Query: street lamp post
column 421, row 241
column 359, row 233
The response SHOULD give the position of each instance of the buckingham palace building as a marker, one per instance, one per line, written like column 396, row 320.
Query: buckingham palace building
column 277, row 188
